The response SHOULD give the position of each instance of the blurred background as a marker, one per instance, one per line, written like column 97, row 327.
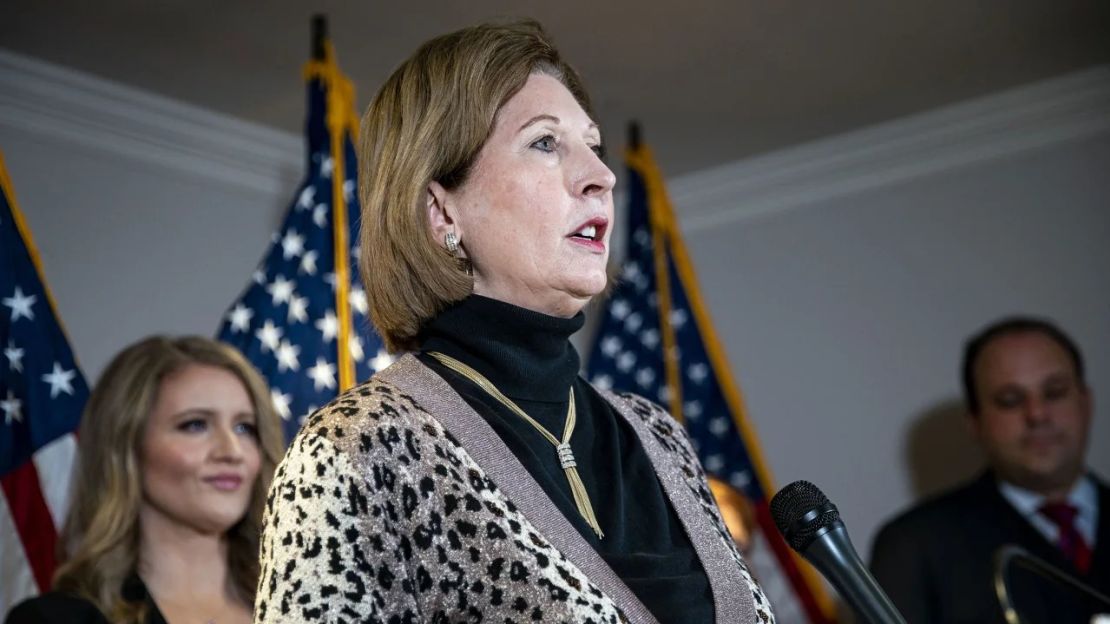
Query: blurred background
column 861, row 186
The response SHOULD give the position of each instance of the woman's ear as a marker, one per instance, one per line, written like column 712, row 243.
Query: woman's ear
column 442, row 217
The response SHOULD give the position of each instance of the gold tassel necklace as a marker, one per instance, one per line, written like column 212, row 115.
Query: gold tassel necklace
column 562, row 449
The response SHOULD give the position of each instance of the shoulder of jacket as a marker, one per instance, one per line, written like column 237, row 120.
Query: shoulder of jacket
column 938, row 511
column 373, row 418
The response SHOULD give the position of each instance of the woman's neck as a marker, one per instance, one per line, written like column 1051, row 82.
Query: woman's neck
column 180, row 565
column 526, row 354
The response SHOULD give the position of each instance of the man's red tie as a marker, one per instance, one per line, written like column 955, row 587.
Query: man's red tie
column 1073, row 545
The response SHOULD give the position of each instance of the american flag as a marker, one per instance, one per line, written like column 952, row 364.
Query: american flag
column 42, row 393
column 303, row 318
column 656, row 309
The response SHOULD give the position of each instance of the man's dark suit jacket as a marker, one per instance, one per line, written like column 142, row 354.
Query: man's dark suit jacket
column 936, row 561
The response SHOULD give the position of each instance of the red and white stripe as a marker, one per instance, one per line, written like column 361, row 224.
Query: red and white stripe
column 32, row 510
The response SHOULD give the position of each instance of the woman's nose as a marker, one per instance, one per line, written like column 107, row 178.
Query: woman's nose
column 229, row 446
column 595, row 178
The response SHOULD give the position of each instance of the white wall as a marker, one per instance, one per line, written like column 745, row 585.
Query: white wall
column 843, row 276
column 845, row 325
column 149, row 215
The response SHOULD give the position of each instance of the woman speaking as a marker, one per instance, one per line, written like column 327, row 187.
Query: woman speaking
column 479, row 478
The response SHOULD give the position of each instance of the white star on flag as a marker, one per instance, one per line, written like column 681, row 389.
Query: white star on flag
column 740, row 480
column 714, row 463
column 60, row 380
column 12, row 409
column 633, row 322
column 21, row 305
column 320, row 215
column 698, row 372
column 650, row 338
column 605, row 382
column 269, row 335
column 280, row 289
column 348, row 190
column 692, row 409
column 298, row 309
column 308, row 262
column 381, row 361
column 631, row 272
column 308, row 195
column 664, row 394
column 287, row 356
column 322, row 374
column 718, row 426
column 292, row 244
column 328, row 326
column 240, row 318
column 355, row 344
column 15, row 357
column 626, row 361
column 281, row 403
column 611, row 345
column 621, row 308
column 645, row 376
column 259, row 276
column 678, row 318
column 326, row 167
column 358, row 300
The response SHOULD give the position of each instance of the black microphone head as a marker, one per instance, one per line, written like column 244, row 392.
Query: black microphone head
column 801, row 512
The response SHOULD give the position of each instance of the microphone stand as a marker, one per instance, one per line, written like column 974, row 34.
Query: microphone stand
column 1020, row 556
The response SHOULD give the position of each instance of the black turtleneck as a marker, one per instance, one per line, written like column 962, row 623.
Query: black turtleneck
column 529, row 357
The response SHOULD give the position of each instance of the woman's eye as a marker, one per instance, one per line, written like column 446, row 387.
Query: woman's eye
column 247, row 428
column 598, row 149
column 545, row 144
column 193, row 426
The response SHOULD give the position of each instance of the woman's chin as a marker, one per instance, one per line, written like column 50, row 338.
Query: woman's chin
column 582, row 292
column 597, row 284
column 219, row 522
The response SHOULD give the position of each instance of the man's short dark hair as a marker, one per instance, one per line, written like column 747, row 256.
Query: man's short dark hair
column 1007, row 327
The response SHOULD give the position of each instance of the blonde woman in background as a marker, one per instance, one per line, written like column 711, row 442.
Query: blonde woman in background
column 177, row 445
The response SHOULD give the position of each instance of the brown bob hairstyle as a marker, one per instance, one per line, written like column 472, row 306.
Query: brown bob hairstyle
column 428, row 123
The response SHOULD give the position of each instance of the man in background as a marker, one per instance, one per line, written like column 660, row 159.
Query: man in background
column 1030, row 409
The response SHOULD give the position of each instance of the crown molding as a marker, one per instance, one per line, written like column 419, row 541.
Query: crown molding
column 46, row 100
column 1059, row 110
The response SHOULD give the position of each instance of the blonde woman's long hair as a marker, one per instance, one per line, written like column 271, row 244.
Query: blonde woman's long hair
column 99, row 547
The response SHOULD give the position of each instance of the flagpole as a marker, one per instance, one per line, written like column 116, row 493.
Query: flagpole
column 319, row 229
column 338, row 119
column 639, row 158
column 319, row 37
column 24, row 231
column 719, row 362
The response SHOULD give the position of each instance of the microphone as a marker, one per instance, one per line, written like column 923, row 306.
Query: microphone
column 811, row 525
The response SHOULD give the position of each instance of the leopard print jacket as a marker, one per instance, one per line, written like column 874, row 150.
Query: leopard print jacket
column 397, row 503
